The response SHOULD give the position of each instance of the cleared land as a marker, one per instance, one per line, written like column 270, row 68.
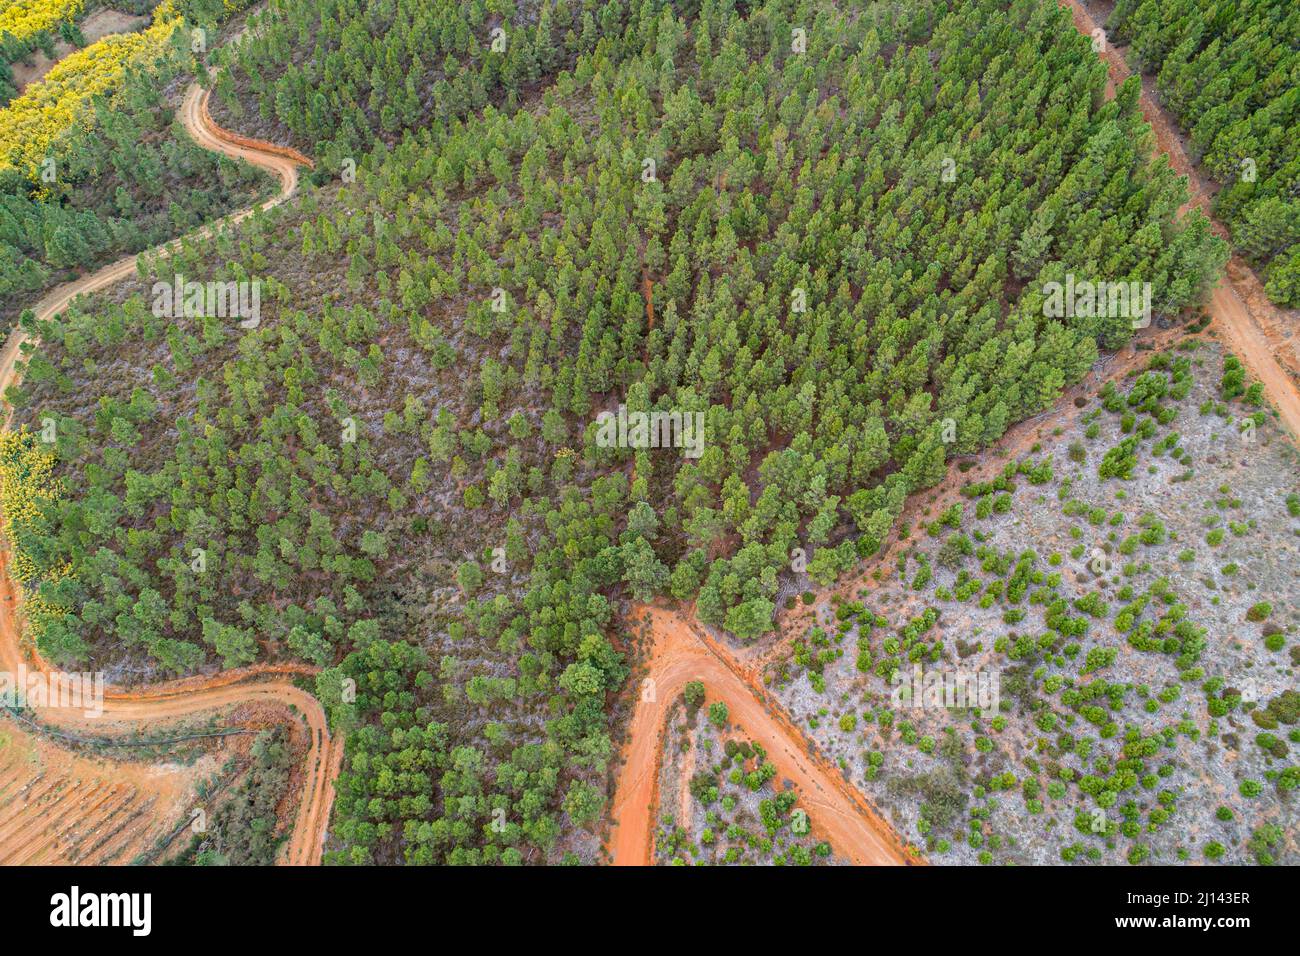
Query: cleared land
column 1143, row 630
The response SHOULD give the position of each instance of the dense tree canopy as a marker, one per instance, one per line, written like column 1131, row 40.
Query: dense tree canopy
column 825, row 232
column 1231, row 75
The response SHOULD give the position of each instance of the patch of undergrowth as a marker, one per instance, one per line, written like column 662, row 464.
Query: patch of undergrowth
column 1112, row 708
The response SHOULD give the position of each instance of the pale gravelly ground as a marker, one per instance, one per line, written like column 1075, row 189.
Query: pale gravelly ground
column 700, row 748
column 1204, row 767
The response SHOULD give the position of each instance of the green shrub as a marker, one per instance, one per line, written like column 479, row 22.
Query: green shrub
column 1259, row 611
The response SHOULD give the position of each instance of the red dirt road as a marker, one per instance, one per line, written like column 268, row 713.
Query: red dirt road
column 1243, row 319
column 680, row 654
column 198, row 123
column 264, row 683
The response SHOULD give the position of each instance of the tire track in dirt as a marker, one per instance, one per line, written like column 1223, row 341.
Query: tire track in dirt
column 255, row 684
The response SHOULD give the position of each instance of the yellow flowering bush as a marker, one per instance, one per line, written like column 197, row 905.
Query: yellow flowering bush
column 27, row 482
column 34, row 121
column 26, row 18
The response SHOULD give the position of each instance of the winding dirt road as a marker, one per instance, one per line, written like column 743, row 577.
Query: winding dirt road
column 680, row 653
column 1241, row 313
column 256, row 684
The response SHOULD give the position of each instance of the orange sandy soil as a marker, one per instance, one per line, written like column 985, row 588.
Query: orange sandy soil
column 1262, row 335
column 1232, row 321
column 1259, row 333
column 57, row 807
column 679, row 653
column 141, row 709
